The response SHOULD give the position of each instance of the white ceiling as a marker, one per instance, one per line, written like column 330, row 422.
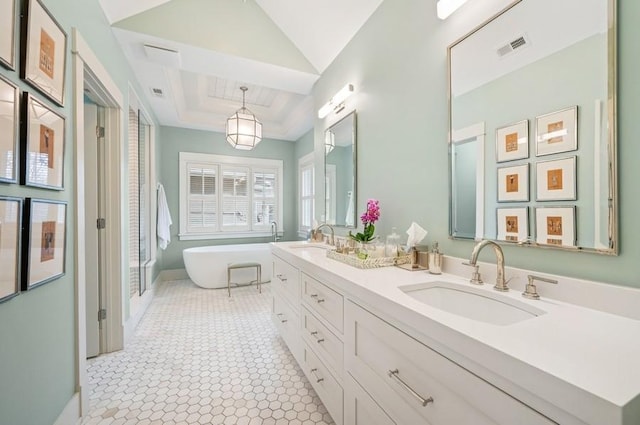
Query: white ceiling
column 277, row 48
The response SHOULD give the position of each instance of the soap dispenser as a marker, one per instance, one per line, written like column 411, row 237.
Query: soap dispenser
column 435, row 260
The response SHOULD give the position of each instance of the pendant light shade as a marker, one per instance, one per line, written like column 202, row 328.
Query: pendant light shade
column 244, row 131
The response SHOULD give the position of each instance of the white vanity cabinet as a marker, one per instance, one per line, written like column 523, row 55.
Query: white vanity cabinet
column 415, row 385
column 285, row 304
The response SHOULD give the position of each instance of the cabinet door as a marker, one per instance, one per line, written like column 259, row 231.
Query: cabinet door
column 286, row 281
column 360, row 408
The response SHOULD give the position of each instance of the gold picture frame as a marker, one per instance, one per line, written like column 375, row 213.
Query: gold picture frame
column 44, row 52
column 43, row 242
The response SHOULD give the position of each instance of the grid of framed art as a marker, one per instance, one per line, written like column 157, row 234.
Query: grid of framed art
column 33, row 231
column 554, row 180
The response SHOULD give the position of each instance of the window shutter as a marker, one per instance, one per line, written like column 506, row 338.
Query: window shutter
column 235, row 199
column 202, row 202
column 307, row 201
column 265, row 205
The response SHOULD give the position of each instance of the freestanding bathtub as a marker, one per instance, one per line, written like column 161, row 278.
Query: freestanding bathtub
column 207, row 265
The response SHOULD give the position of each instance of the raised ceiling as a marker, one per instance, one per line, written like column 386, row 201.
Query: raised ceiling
column 199, row 52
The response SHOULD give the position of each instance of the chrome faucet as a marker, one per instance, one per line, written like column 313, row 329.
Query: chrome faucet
column 501, row 284
column 274, row 231
column 332, row 238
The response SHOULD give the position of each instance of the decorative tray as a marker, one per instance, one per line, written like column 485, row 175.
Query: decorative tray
column 369, row 263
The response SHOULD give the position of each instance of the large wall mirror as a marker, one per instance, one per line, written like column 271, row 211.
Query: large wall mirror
column 340, row 172
column 540, row 79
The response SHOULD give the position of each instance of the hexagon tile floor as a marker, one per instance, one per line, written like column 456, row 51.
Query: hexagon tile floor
column 198, row 357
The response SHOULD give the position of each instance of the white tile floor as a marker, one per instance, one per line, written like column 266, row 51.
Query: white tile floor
column 198, row 357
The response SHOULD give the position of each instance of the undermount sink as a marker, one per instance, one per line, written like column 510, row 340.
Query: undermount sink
column 472, row 303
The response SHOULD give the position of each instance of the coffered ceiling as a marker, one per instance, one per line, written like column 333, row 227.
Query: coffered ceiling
column 199, row 52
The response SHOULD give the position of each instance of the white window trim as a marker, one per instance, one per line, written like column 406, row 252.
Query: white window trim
column 254, row 163
column 305, row 161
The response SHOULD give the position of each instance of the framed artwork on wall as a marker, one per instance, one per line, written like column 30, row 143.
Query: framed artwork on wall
column 44, row 51
column 8, row 19
column 513, row 183
column 557, row 132
column 512, row 142
column 556, row 180
column 43, row 140
column 9, row 108
column 513, row 224
column 10, row 227
column 43, row 242
column 556, row 226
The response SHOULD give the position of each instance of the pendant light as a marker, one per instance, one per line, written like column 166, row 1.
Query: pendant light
column 244, row 131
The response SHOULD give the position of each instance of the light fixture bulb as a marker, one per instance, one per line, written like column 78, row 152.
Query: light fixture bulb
column 336, row 101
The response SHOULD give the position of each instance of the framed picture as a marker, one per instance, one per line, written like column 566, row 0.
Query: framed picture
column 513, row 183
column 9, row 107
column 556, row 226
column 513, row 224
column 557, row 132
column 43, row 242
column 43, row 137
column 8, row 21
column 43, row 53
column 10, row 226
column 556, row 180
column 512, row 142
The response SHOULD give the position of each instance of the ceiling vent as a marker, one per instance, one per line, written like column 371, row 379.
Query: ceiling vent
column 163, row 55
column 518, row 43
column 157, row 92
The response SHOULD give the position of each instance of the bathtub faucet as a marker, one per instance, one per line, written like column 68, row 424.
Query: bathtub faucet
column 274, row 231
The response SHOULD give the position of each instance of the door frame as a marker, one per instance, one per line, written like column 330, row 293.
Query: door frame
column 88, row 69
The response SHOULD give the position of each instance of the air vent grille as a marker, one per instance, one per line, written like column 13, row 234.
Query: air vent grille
column 517, row 43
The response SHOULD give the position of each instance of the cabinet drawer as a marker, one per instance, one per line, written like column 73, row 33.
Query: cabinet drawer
column 324, row 342
column 288, row 324
column 360, row 408
column 286, row 280
column 415, row 384
column 323, row 300
column 328, row 388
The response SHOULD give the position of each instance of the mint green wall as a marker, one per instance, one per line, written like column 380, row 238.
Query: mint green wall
column 174, row 140
column 398, row 65
column 37, row 337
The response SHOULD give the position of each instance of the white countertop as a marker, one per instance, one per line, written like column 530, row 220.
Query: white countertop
column 584, row 361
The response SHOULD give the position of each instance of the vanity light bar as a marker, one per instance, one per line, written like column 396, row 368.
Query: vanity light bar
column 447, row 7
column 336, row 101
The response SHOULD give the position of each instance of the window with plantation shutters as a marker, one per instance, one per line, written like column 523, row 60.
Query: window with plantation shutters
column 202, row 198
column 227, row 197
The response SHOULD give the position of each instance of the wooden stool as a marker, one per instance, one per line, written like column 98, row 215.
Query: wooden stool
column 236, row 266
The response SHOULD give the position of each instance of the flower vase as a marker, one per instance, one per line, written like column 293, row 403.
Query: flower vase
column 368, row 249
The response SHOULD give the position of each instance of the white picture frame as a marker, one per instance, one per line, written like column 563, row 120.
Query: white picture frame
column 556, row 226
column 556, row 180
column 512, row 142
column 9, row 123
column 557, row 132
column 513, row 183
column 512, row 224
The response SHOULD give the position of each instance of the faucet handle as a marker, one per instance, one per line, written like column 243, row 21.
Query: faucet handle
column 531, row 291
column 476, row 278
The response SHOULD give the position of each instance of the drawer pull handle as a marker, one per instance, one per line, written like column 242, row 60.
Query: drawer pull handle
column 282, row 277
column 314, row 295
column 318, row 340
column 314, row 371
column 320, row 300
column 281, row 320
column 424, row 401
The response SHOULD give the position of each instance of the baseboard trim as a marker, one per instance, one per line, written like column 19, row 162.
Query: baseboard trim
column 173, row 274
column 71, row 413
column 145, row 301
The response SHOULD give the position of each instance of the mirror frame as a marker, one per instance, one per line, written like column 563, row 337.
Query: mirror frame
column 354, row 138
column 612, row 136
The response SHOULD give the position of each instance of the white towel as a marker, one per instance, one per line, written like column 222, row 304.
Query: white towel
column 164, row 219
